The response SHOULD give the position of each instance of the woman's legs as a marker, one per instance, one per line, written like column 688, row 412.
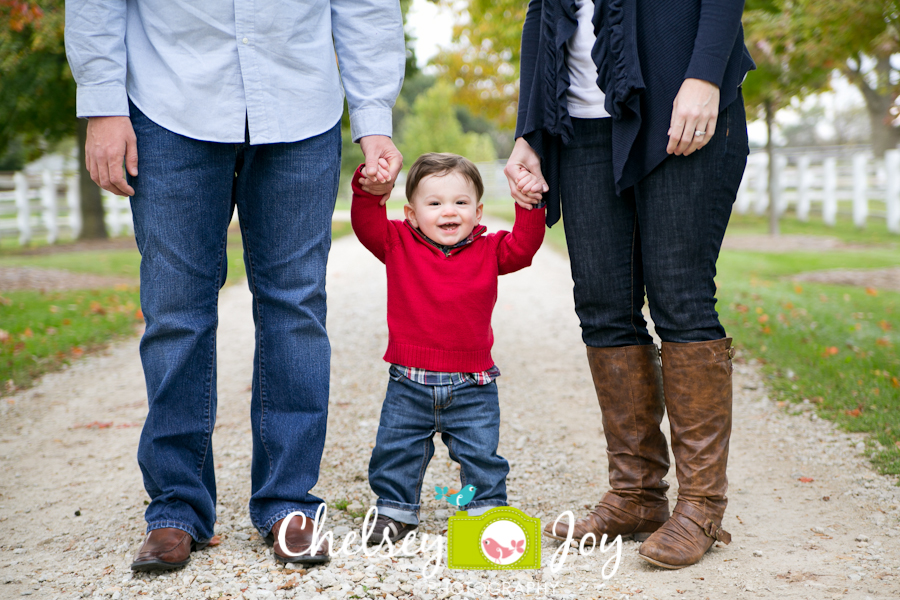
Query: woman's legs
column 605, row 251
column 683, row 208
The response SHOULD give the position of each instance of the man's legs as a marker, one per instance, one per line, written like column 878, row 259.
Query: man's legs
column 182, row 206
column 285, row 196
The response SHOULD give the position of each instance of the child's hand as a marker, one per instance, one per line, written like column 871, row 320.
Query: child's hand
column 381, row 183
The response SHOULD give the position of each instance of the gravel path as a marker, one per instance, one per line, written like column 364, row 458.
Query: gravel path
column 878, row 279
column 71, row 500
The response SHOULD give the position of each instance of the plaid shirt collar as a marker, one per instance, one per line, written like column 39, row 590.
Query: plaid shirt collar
column 447, row 250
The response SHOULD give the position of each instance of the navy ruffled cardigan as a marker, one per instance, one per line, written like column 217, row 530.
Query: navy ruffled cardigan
column 643, row 54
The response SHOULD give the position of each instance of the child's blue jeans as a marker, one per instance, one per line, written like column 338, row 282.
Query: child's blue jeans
column 468, row 418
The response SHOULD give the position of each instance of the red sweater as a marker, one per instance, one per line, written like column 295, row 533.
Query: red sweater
column 439, row 306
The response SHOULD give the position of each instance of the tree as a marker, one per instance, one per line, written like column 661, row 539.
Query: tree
column 483, row 61
column 861, row 39
column 780, row 74
column 432, row 126
column 37, row 101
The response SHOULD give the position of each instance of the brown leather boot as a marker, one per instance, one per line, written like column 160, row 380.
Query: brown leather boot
column 697, row 381
column 629, row 387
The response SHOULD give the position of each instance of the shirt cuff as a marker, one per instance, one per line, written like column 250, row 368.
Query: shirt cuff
column 370, row 121
column 101, row 101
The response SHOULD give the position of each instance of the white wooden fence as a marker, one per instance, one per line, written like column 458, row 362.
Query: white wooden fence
column 814, row 181
column 48, row 204
column 826, row 181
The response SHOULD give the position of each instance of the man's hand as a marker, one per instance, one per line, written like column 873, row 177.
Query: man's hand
column 523, row 173
column 110, row 140
column 383, row 164
column 694, row 115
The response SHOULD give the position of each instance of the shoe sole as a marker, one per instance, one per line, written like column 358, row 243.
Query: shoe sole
column 662, row 564
column 161, row 565
column 318, row 559
column 638, row 537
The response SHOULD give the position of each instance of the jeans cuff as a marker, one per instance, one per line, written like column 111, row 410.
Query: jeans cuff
column 398, row 511
column 476, row 509
column 191, row 531
column 266, row 529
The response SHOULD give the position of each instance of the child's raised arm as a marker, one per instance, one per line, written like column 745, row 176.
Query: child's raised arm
column 369, row 218
column 516, row 248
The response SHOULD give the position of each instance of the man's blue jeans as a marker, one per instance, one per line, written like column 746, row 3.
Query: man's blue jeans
column 468, row 419
column 184, row 198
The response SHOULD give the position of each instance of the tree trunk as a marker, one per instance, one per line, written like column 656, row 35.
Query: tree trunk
column 879, row 101
column 770, row 150
column 93, row 225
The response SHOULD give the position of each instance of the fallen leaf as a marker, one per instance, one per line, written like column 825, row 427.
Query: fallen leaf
column 895, row 382
column 885, row 326
column 883, row 342
column 4, row 335
column 830, row 351
column 77, row 352
column 763, row 318
column 798, row 289
column 139, row 315
column 871, row 291
column 28, row 332
column 94, row 425
column 214, row 541
column 806, row 480
column 853, row 413
column 97, row 308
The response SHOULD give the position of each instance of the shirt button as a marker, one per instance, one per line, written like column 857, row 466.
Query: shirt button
column 246, row 41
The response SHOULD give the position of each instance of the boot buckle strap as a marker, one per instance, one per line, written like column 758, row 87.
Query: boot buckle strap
column 709, row 528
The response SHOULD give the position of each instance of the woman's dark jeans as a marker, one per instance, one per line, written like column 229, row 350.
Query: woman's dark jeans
column 663, row 234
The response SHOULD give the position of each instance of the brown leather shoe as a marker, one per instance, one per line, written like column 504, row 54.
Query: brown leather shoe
column 629, row 388
column 697, row 381
column 164, row 549
column 298, row 538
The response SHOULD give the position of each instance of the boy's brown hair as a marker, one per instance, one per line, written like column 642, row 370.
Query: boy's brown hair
column 441, row 163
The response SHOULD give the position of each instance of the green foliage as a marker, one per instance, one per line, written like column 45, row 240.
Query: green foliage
column 483, row 61
column 833, row 347
column 433, row 127
column 37, row 96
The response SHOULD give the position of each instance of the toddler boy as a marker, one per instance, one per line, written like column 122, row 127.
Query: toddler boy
column 442, row 273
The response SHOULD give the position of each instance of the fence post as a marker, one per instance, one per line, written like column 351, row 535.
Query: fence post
column 803, row 188
column 892, row 189
column 48, row 206
column 73, row 200
column 762, row 185
column 23, row 210
column 829, row 191
column 860, row 186
column 113, row 219
column 780, row 199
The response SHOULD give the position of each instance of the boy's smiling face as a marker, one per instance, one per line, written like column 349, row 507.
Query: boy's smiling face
column 445, row 208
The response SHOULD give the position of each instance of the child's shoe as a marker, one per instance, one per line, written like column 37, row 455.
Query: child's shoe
column 386, row 527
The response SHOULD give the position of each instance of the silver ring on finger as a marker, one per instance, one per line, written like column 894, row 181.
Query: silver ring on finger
column 698, row 133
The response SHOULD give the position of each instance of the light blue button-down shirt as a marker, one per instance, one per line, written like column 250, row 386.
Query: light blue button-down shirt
column 204, row 68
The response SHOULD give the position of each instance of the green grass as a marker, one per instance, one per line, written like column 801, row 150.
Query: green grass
column 875, row 231
column 43, row 331
column 833, row 346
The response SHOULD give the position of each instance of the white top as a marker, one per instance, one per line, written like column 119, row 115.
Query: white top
column 584, row 97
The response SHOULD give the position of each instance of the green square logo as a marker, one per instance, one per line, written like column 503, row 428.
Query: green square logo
column 500, row 539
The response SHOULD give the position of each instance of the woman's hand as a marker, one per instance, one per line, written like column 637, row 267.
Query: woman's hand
column 523, row 173
column 694, row 115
